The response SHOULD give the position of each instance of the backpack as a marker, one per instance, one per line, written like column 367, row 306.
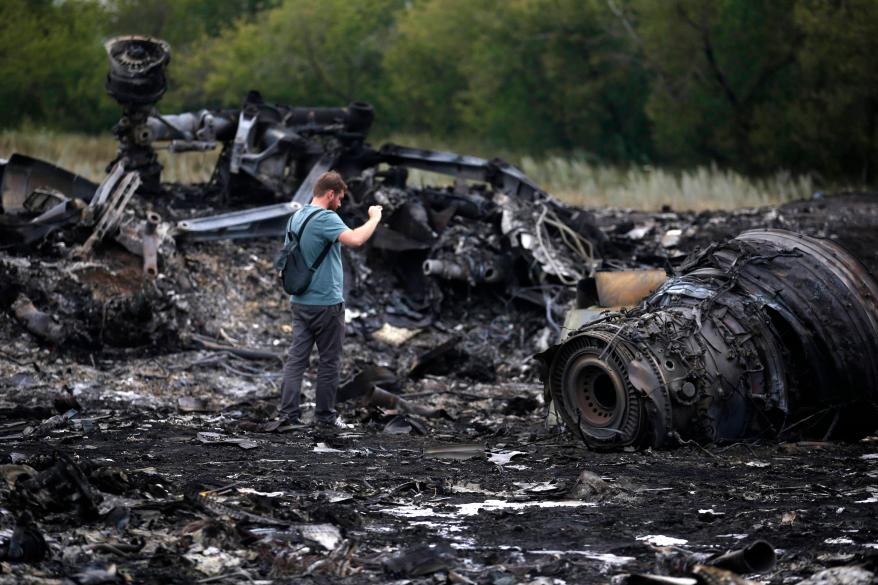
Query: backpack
column 293, row 272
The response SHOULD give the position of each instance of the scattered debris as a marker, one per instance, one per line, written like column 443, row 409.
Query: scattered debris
column 456, row 452
column 26, row 544
column 419, row 560
column 37, row 322
column 220, row 439
column 403, row 425
column 395, row 336
column 502, row 458
column 852, row 575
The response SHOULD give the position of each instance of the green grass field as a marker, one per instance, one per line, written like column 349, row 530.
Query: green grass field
column 572, row 180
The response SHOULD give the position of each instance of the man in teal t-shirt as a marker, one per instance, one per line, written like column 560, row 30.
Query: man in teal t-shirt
column 318, row 313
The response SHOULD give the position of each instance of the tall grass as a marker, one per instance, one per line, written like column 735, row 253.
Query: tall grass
column 89, row 155
column 570, row 179
column 578, row 181
column 582, row 183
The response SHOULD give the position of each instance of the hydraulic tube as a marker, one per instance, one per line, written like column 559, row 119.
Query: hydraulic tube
column 150, row 244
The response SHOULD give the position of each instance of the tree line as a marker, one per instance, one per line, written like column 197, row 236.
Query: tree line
column 747, row 84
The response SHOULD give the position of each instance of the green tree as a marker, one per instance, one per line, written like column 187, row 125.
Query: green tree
column 308, row 52
column 181, row 23
column 714, row 63
column 534, row 74
column 423, row 65
column 833, row 120
column 53, row 64
column 744, row 83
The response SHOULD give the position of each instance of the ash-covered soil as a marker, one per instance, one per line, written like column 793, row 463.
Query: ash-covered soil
column 167, row 473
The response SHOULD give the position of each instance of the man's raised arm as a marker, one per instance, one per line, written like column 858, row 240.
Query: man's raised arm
column 359, row 236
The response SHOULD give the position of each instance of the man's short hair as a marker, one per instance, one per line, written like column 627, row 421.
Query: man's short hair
column 329, row 181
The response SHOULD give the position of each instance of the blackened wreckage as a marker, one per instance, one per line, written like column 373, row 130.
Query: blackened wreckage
column 763, row 334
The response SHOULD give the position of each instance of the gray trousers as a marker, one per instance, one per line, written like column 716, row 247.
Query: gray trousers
column 323, row 324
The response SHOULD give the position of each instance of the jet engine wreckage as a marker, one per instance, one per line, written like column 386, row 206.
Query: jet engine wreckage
column 769, row 332
column 713, row 355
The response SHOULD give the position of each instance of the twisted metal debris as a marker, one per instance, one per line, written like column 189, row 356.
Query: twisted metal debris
column 769, row 333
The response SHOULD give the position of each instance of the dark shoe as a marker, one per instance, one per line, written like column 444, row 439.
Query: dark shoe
column 336, row 425
column 282, row 425
column 293, row 423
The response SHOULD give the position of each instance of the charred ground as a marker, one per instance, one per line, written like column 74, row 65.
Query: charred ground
column 494, row 516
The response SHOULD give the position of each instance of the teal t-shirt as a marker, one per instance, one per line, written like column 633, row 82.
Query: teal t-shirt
column 327, row 285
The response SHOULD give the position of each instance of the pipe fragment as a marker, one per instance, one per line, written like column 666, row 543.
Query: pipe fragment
column 151, row 244
column 376, row 396
column 445, row 270
column 768, row 333
column 757, row 557
column 474, row 271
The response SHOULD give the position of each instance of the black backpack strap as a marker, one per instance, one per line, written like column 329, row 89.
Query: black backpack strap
column 326, row 248
column 304, row 223
column 289, row 225
column 322, row 255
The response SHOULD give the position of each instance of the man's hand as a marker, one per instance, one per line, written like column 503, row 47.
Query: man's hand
column 357, row 237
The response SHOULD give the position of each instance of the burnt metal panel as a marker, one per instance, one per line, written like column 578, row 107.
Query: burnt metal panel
column 23, row 175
